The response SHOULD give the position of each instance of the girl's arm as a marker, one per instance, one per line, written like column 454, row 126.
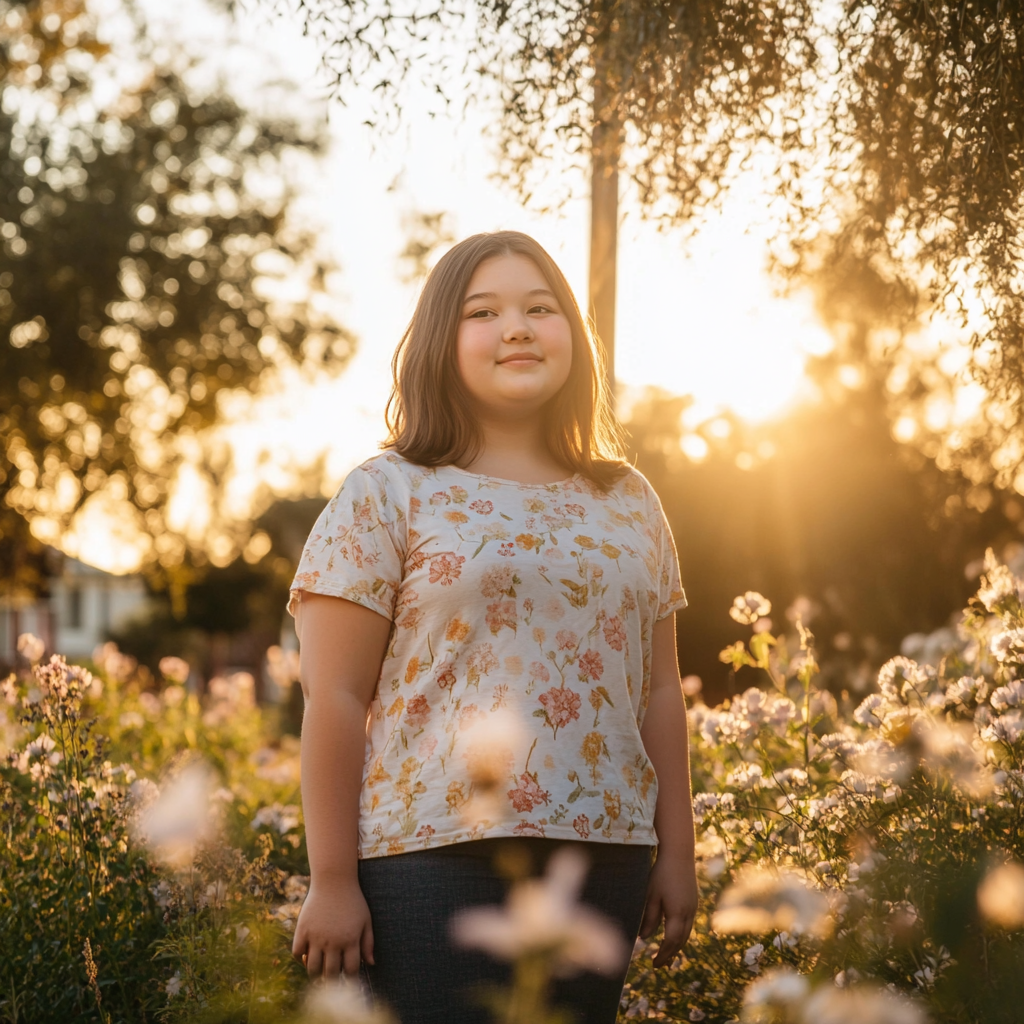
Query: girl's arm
column 342, row 648
column 672, row 891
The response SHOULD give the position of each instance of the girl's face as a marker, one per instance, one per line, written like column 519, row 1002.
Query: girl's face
column 514, row 344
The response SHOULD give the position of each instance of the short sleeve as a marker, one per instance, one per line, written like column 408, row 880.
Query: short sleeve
column 356, row 547
column 671, row 597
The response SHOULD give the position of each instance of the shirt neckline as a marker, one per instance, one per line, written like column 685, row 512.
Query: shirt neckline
column 514, row 483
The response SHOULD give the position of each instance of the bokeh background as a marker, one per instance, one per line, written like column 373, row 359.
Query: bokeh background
column 215, row 219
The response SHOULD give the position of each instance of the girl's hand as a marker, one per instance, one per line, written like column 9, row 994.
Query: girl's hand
column 672, row 896
column 333, row 930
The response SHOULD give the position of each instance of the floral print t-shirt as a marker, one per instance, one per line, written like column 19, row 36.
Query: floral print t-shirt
column 517, row 673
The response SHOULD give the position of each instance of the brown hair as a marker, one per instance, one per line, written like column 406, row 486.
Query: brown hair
column 427, row 411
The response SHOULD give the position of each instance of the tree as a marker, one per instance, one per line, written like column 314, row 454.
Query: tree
column 141, row 274
column 692, row 85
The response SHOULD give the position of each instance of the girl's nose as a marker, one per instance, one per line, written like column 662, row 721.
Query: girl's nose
column 517, row 328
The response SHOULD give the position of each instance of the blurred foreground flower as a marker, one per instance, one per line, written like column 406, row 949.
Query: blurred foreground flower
column 31, row 648
column 543, row 915
column 750, row 607
column 776, row 996
column 762, row 900
column 861, row 1005
column 545, row 930
column 282, row 667
column 1001, row 896
column 341, row 1001
column 174, row 670
column 179, row 817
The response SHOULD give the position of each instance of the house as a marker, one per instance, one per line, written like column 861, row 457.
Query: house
column 84, row 605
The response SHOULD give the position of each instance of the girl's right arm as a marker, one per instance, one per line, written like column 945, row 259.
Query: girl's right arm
column 342, row 647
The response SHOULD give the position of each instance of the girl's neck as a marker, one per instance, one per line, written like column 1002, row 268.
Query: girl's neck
column 516, row 451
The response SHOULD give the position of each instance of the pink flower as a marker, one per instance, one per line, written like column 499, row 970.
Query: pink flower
column 582, row 826
column 446, row 569
column 502, row 613
column 562, row 706
column 591, row 665
column 417, row 711
column 539, row 672
column 426, row 832
column 482, row 508
column 440, row 497
column 496, row 581
column 566, row 639
column 527, row 794
column 615, row 633
column 427, row 747
column 576, row 510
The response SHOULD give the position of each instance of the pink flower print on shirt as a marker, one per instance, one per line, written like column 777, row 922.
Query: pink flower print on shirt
column 497, row 580
column 615, row 633
column 440, row 498
column 481, row 661
column 481, row 507
column 529, row 829
column 591, row 666
column 561, row 706
column 508, row 550
column 576, row 510
column 459, row 494
column 527, row 794
column 539, row 671
column 427, row 747
column 582, row 825
column 502, row 613
column 446, row 569
column 567, row 640
column 417, row 712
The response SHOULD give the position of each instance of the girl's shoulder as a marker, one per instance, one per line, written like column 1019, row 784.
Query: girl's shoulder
column 633, row 485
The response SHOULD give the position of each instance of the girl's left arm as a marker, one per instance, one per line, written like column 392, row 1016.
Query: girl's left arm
column 672, row 890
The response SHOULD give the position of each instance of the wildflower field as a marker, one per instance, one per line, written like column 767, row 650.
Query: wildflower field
column 860, row 858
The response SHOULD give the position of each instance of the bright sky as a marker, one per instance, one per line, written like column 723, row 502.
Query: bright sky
column 701, row 319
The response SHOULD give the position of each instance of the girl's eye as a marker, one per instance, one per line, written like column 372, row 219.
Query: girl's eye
column 479, row 314
column 540, row 309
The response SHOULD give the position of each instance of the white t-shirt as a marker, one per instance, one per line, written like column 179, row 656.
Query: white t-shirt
column 517, row 674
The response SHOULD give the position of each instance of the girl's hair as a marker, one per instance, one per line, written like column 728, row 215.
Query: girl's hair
column 428, row 410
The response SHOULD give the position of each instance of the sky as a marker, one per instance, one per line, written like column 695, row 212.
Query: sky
column 700, row 318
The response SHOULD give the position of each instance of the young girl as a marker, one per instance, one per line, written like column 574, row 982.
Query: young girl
column 499, row 571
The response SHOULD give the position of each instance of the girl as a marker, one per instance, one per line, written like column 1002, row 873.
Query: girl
column 488, row 653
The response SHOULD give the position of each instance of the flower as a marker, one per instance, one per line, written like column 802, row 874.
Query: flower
column 446, row 569
column 562, row 706
column 1001, row 896
column 341, row 1000
column 591, row 666
column 176, row 670
column 779, row 990
column 179, row 817
column 1008, row 645
column 496, row 581
column 749, row 608
column 999, row 585
column 31, row 648
column 762, row 900
column 527, row 794
column 1009, row 696
column 544, row 916
column 860, row 1005
column 281, row 818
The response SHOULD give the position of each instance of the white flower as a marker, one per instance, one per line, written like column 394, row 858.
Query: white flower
column 746, row 777
column 543, row 915
column 999, row 585
column 750, row 607
column 1008, row 645
column 283, row 666
column 966, row 688
column 702, row 803
column 780, row 989
column 1006, row 728
column 867, row 710
column 41, row 745
column 31, row 648
column 1001, row 896
column 281, row 818
column 173, row 986
column 174, row 670
column 179, row 817
column 752, row 957
column 861, row 1005
column 760, row 901
column 896, row 673
column 949, row 752
column 1009, row 696
column 341, row 1001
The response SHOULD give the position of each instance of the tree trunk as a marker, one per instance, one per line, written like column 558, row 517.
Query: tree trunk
column 604, row 222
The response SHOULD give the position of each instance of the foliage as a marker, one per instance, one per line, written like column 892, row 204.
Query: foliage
column 889, row 816
column 202, row 936
column 690, row 83
column 146, row 244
